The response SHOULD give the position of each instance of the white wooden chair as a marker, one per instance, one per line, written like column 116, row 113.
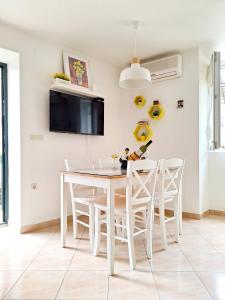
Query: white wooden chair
column 82, row 198
column 128, row 207
column 169, row 191
column 110, row 163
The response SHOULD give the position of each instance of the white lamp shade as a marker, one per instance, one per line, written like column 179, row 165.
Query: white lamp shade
column 135, row 77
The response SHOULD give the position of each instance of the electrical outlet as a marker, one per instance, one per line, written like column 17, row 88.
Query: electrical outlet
column 36, row 137
column 34, row 186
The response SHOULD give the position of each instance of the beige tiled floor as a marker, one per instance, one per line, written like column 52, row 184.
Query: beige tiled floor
column 34, row 266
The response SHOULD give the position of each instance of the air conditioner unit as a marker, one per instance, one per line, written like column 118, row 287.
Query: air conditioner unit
column 165, row 68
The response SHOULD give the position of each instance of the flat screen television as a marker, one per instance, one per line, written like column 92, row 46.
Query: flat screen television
column 76, row 114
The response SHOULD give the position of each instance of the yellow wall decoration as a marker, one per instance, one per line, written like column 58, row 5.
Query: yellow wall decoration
column 139, row 101
column 156, row 111
column 142, row 132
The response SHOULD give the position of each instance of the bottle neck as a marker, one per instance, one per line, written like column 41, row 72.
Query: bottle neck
column 148, row 143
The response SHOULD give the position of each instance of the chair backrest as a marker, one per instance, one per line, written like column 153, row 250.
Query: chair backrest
column 141, row 176
column 171, row 174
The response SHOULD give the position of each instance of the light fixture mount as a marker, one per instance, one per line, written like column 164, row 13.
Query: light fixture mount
column 135, row 76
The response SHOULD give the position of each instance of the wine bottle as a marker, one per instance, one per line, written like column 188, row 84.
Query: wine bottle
column 138, row 153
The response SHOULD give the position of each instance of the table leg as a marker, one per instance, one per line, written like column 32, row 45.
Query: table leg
column 110, row 228
column 63, row 212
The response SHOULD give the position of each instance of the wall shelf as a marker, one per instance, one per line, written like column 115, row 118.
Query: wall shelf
column 75, row 90
column 140, row 129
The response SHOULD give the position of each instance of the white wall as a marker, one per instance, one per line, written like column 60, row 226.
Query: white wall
column 177, row 133
column 204, row 107
column 42, row 160
column 216, row 176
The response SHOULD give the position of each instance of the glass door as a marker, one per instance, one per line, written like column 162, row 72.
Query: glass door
column 3, row 146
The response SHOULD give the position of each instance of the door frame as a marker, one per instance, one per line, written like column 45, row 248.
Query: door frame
column 4, row 120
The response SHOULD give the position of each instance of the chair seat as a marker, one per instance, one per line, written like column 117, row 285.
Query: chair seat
column 87, row 194
column 168, row 196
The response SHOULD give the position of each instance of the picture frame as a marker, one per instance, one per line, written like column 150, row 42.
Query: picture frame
column 78, row 69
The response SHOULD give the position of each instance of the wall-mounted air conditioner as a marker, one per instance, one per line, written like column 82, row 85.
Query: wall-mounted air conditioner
column 165, row 68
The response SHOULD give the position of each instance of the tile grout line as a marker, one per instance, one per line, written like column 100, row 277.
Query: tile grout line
column 204, row 285
column 23, row 271
column 67, row 269
column 211, row 245
column 195, row 272
column 156, row 285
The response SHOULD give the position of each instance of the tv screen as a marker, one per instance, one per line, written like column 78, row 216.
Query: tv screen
column 76, row 114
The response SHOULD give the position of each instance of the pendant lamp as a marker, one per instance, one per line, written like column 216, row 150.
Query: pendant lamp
column 135, row 76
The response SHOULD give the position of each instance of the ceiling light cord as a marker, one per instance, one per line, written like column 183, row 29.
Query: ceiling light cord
column 135, row 76
column 135, row 43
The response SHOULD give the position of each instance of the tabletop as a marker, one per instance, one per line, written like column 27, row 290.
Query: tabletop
column 109, row 173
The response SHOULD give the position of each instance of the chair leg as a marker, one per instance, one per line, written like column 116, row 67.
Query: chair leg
column 130, row 238
column 149, row 226
column 162, row 225
column 118, row 229
column 177, row 219
column 144, row 216
column 91, row 225
column 123, row 228
column 75, row 227
column 97, row 231
column 180, row 211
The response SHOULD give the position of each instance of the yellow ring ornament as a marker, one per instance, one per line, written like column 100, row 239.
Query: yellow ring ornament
column 156, row 111
column 139, row 101
column 142, row 132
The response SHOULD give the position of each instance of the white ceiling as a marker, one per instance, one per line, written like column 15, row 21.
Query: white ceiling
column 100, row 27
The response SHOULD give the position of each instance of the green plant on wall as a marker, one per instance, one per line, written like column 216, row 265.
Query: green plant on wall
column 156, row 111
column 143, row 131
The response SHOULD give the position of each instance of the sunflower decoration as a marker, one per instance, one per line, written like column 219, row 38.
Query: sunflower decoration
column 139, row 101
column 156, row 111
column 79, row 70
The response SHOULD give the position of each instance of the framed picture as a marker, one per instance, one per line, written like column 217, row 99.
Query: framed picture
column 77, row 68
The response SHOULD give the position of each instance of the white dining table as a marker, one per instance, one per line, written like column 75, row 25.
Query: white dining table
column 108, row 179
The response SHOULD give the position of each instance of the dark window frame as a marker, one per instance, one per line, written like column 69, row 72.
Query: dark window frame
column 4, row 120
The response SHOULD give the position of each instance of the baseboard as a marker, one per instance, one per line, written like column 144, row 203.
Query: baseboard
column 188, row 215
column 42, row 225
column 217, row 212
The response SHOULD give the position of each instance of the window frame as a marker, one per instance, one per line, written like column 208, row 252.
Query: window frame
column 4, row 117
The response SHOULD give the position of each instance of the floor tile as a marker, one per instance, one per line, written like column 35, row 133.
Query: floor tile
column 84, row 285
column 52, row 259
column 170, row 260
column 180, row 285
column 214, row 262
column 192, row 269
column 37, row 285
column 132, row 285
column 7, row 280
column 214, row 283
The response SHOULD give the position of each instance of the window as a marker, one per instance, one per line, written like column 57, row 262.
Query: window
column 3, row 145
column 222, row 104
column 216, row 119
